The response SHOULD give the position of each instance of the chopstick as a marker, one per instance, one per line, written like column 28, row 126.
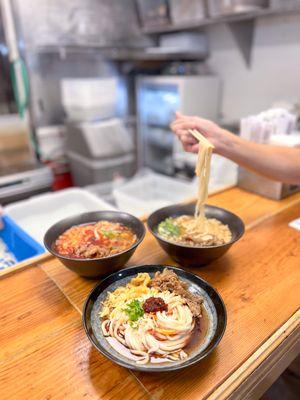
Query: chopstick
column 202, row 140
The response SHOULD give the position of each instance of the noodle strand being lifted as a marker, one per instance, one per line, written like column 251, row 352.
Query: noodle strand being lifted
column 197, row 230
column 203, row 172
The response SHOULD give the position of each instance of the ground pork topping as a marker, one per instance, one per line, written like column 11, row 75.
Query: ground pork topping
column 168, row 280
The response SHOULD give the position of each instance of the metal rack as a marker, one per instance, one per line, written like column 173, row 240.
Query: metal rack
column 238, row 17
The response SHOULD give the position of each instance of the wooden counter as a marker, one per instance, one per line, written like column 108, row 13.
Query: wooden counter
column 44, row 353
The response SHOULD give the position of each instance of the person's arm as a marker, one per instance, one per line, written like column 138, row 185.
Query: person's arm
column 275, row 162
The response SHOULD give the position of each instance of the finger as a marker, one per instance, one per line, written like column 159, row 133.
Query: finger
column 191, row 148
column 183, row 124
column 188, row 139
column 178, row 114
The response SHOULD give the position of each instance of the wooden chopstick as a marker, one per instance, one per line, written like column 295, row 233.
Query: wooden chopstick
column 201, row 138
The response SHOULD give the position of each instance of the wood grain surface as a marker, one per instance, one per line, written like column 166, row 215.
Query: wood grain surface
column 44, row 353
column 250, row 207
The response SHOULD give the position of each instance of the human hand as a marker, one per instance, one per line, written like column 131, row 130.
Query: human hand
column 213, row 132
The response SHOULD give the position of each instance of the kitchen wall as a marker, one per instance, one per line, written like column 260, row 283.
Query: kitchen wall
column 274, row 74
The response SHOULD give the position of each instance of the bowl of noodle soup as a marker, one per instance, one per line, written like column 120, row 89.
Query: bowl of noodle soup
column 96, row 243
column 189, row 250
column 154, row 318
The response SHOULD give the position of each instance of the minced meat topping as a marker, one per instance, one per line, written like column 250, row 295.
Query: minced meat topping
column 168, row 280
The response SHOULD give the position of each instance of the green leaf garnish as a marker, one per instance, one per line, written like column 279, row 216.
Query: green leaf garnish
column 108, row 234
column 134, row 325
column 168, row 228
column 134, row 310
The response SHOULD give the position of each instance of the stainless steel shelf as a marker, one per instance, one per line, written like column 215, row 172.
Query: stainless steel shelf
column 221, row 19
column 119, row 54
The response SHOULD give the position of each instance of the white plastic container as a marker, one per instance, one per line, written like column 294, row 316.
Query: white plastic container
column 87, row 99
column 144, row 194
column 86, row 171
column 99, row 139
column 37, row 214
column 103, row 190
column 52, row 142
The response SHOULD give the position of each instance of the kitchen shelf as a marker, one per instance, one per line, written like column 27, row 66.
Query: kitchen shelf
column 220, row 19
column 120, row 54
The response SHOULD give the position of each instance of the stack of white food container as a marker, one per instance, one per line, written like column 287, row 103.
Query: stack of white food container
column 89, row 98
column 100, row 146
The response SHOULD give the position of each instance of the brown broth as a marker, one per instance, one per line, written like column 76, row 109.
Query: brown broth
column 199, row 333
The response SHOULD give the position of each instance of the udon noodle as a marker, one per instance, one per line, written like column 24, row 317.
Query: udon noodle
column 197, row 230
column 150, row 321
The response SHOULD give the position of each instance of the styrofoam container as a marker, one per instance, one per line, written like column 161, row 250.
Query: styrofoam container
column 89, row 98
column 87, row 171
column 99, row 139
column 38, row 213
column 144, row 194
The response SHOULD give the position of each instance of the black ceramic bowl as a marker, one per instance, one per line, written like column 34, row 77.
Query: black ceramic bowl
column 189, row 256
column 212, row 303
column 95, row 267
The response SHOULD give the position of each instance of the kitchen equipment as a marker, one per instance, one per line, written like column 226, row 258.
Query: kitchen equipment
column 183, row 11
column 95, row 267
column 159, row 97
column 99, row 139
column 193, row 257
column 51, row 142
column 149, row 191
column 185, row 42
column 18, row 242
column 23, row 181
column 103, row 191
column 89, row 98
column 37, row 214
column 212, row 303
column 255, row 183
column 86, row 171
column 14, row 142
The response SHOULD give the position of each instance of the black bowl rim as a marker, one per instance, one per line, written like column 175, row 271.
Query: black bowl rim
column 216, row 246
column 139, row 240
column 197, row 358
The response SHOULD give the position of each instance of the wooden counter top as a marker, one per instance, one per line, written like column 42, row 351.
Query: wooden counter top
column 44, row 353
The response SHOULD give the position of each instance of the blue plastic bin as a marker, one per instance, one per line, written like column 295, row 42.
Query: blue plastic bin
column 19, row 242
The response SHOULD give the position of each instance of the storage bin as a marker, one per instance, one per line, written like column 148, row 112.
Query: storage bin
column 144, row 194
column 18, row 242
column 103, row 191
column 99, row 139
column 52, row 142
column 88, row 99
column 37, row 214
column 86, row 171
column 182, row 11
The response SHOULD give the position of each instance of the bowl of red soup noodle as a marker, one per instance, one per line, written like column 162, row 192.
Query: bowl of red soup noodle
column 95, row 244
